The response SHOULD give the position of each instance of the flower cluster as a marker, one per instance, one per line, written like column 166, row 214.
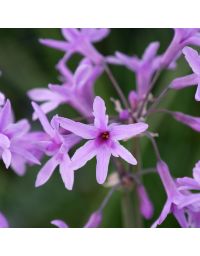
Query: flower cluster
column 105, row 137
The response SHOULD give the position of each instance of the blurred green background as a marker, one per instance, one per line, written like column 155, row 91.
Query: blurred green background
column 26, row 64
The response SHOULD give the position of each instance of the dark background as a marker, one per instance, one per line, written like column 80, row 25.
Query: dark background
column 26, row 64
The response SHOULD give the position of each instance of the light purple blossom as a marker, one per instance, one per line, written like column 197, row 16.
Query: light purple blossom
column 57, row 146
column 16, row 147
column 93, row 222
column 146, row 207
column 144, row 67
column 103, row 140
column 77, row 90
column 193, row 60
column 3, row 221
column 79, row 41
column 182, row 37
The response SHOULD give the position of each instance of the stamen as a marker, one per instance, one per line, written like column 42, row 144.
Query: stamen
column 105, row 135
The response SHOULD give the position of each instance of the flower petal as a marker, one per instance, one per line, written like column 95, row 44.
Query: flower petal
column 166, row 210
column 185, row 81
column 196, row 172
column 103, row 158
column 59, row 223
column 99, row 112
column 83, row 155
column 119, row 150
column 191, row 121
column 197, row 94
column 66, row 172
column 180, row 216
column 94, row 220
column 3, row 221
column 46, row 172
column 83, row 130
column 146, row 207
column 122, row 132
column 193, row 59
column 6, row 115
column 6, row 156
column 59, row 45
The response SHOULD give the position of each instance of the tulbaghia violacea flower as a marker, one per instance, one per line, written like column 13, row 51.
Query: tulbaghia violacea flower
column 57, row 146
column 93, row 222
column 146, row 207
column 174, row 197
column 76, row 91
column 79, row 41
column 144, row 67
column 3, row 221
column 182, row 37
column 16, row 147
column 193, row 60
column 103, row 140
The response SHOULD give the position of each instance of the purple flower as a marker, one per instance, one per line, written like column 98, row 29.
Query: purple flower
column 3, row 221
column 76, row 91
column 144, row 67
column 93, row 222
column 146, row 207
column 16, row 148
column 193, row 59
column 57, row 146
column 103, row 140
column 174, row 197
column 79, row 41
column 182, row 37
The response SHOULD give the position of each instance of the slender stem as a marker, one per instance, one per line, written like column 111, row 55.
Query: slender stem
column 117, row 87
column 157, row 101
column 154, row 144
column 108, row 196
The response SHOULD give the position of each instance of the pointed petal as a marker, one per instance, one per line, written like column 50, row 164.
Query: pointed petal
column 82, row 75
column 166, row 210
column 187, row 184
column 197, row 94
column 83, row 130
column 18, row 164
column 67, row 172
column 94, row 220
column 58, row 45
column 119, row 150
column 150, row 51
column 185, row 81
column 18, row 129
column 196, row 172
column 193, row 59
column 6, row 115
column 6, row 156
column 99, row 112
column 41, row 94
column 70, row 34
column 180, row 216
column 59, row 223
column 3, row 221
column 103, row 159
column 83, row 155
column 46, row 172
column 4, row 141
column 121, row 132
column 191, row 121
column 43, row 120
column 189, row 200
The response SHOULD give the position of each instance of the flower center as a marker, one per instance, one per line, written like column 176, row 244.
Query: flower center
column 105, row 135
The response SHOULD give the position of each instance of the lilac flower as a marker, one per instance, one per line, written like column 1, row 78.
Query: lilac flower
column 103, row 140
column 57, row 146
column 193, row 59
column 191, row 121
column 93, row 222
column 146, row 207
column 182, row 37
column 3, row 221
column 16, row 148
column 79, row 41
column 76, row 91
column 174, row 197
column 144, row 67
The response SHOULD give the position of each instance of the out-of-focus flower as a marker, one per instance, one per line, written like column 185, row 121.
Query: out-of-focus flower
column 76, row 91
column 144, row 67
column 146, row 207
column 103, row 140
column 16, row 147
column 57, row 146
column 79, row 41
column 193, row 59
column 93, row 222
column 182, row 37
column 3, row 221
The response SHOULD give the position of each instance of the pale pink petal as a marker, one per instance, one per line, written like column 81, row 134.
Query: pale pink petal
column 197, row 94
column 18, row 129
column 43, row 120
column 59, row 45
column 83, row 155
column 41, row 94
column 59, row 223
column 6, row 115
column 119, row 150
column 46, row 172
column 70, row 34
column 3, row 221
column 187, row 183
column 95, row 34
column 4, row 141
column 94, row 220
column 103, row 159
column 196, row 172
column 82, row 74
column 150, row 51
column 99, row 108
column 180, row 216
column 83, row 130
column 166, row 210
column 18, row 164
column 193, row 59
column 47, row 107
column 67, row 172
column 6, row 156
column 191, row 121
column 122, row 132
column 185, row 81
